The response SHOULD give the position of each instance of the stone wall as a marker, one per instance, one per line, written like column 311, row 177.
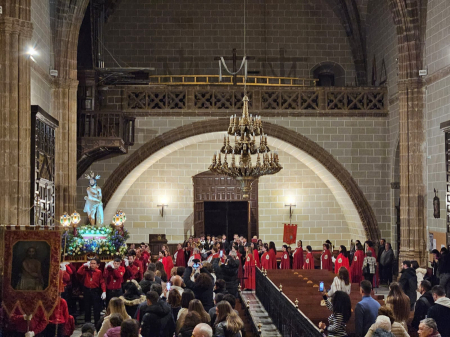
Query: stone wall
column 288, row 38
column 437, row 106
column 42, row 41
column 360, row 144
column 383, row 45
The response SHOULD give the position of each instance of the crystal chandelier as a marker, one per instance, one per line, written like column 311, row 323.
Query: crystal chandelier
column 245, row 130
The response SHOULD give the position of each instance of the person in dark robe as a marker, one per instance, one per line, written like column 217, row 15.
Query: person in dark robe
column 285, row 260
column 325, row 258
column 309, row 260
column 249, row 269
column 265, row 258
column 273, row 254
column 356, row 268
column 298, row 256
column 180, row 259
column 291, row 257
column 341, row 260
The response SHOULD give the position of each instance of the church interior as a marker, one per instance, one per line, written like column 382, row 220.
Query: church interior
column 143, row 130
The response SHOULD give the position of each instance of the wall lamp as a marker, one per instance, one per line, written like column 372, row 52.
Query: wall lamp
column 161, row 211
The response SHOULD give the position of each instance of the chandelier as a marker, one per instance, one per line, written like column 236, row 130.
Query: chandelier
column 245, row 130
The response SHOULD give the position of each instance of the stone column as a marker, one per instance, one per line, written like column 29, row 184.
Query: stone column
column 15, row 113
column 64, row 106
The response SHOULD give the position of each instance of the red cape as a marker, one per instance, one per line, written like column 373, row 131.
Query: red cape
column 168, row 265
column 341, row 261
column 256, row 257
column 273, row 258
column 373, row 252
column 325, row 258
column 285, row 261
column 249, row 272
column 265, row 261
column 298, row 258
column 181, row 260
column 356, row 267
column 309, row 261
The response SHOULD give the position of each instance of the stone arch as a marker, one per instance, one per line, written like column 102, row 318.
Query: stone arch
column 352, row 200
column 330, row 68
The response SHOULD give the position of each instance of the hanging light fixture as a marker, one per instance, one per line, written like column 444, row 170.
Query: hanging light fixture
column 245, row 130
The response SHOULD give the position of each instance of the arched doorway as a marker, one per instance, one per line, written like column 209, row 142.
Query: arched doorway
column 219, row 206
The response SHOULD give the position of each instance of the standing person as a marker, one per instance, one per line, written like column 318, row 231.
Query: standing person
column 325, row 258
column 133, row 268
column 115, row 307
column 167, row 262
column 366, row 311
column 341, row 307
column 424, row 303
column 226, row 244
column 356, row 268
column 444, row 271
column 285, row 260
column 227, row 323
column 309, row 260
column 265, row 258
column 298, row 256
column 249, row 269
column 203, row 286
column 399, row 303
column 408, row 282
column 113, row 274
column 381, row 249
column 273, row 255
column 180, row 260
column 386, row 261
column 255, row 254
column 440, row 311
column 341, row 283
column 341, row 260
column 59, row 321
column 369, row 266
column 94, row 289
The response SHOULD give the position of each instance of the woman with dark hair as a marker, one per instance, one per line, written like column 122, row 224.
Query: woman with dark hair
column 325, row 258
column 309, row 260
column 273, row 254
column 132, row 298
column 160, row 267
column 341, row 282
column 186, row 298
column 249, row 269
column 399, row 302
column 167, row 262
column 358, row 259
column 197, row 306
column 341, row 260
column 341, row 307
column 129, row 328
column 285, row 260
column 254, row 249
column 203, row 286
column 298, row 256
column 174, row 300
column 228, row 323
column 265, row 258
column 191, row 319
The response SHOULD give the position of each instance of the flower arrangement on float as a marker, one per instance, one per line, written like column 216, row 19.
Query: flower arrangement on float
column 104, row 241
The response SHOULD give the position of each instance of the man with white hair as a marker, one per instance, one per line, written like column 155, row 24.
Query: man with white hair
column 428, row 328
column 202, row 330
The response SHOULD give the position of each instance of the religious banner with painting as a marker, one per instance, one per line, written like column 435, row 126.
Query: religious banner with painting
column 31, row 272
column 290, row 234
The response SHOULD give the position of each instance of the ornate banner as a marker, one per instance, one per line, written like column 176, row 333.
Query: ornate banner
column 290, row 234
column 31, row 270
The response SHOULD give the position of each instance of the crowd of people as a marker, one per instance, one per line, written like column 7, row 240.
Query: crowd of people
column 193, row 292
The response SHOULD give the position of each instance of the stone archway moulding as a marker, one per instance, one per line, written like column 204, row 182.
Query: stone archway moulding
column 357, row 210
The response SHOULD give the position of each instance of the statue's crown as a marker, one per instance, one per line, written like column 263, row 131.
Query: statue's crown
column 91, row 175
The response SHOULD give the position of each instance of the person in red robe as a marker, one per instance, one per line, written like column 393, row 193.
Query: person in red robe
column 341, row 260
column 180, row 259
column 325, row 258
column 60, row 323
column 265, row 258
column 161, row 255
column 17, row 324
column 273, row 255
column 285, row 260
column 356, row 267
column 167, row 263
column 255, row 254
column 298, row 256
column 309, row 260
column 249, row 269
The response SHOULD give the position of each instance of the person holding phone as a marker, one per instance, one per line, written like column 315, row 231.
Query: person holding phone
column 203, row 285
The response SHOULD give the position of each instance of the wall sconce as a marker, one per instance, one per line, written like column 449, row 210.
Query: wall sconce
column 31, row 51
column 291, row 211
column 161, row 211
